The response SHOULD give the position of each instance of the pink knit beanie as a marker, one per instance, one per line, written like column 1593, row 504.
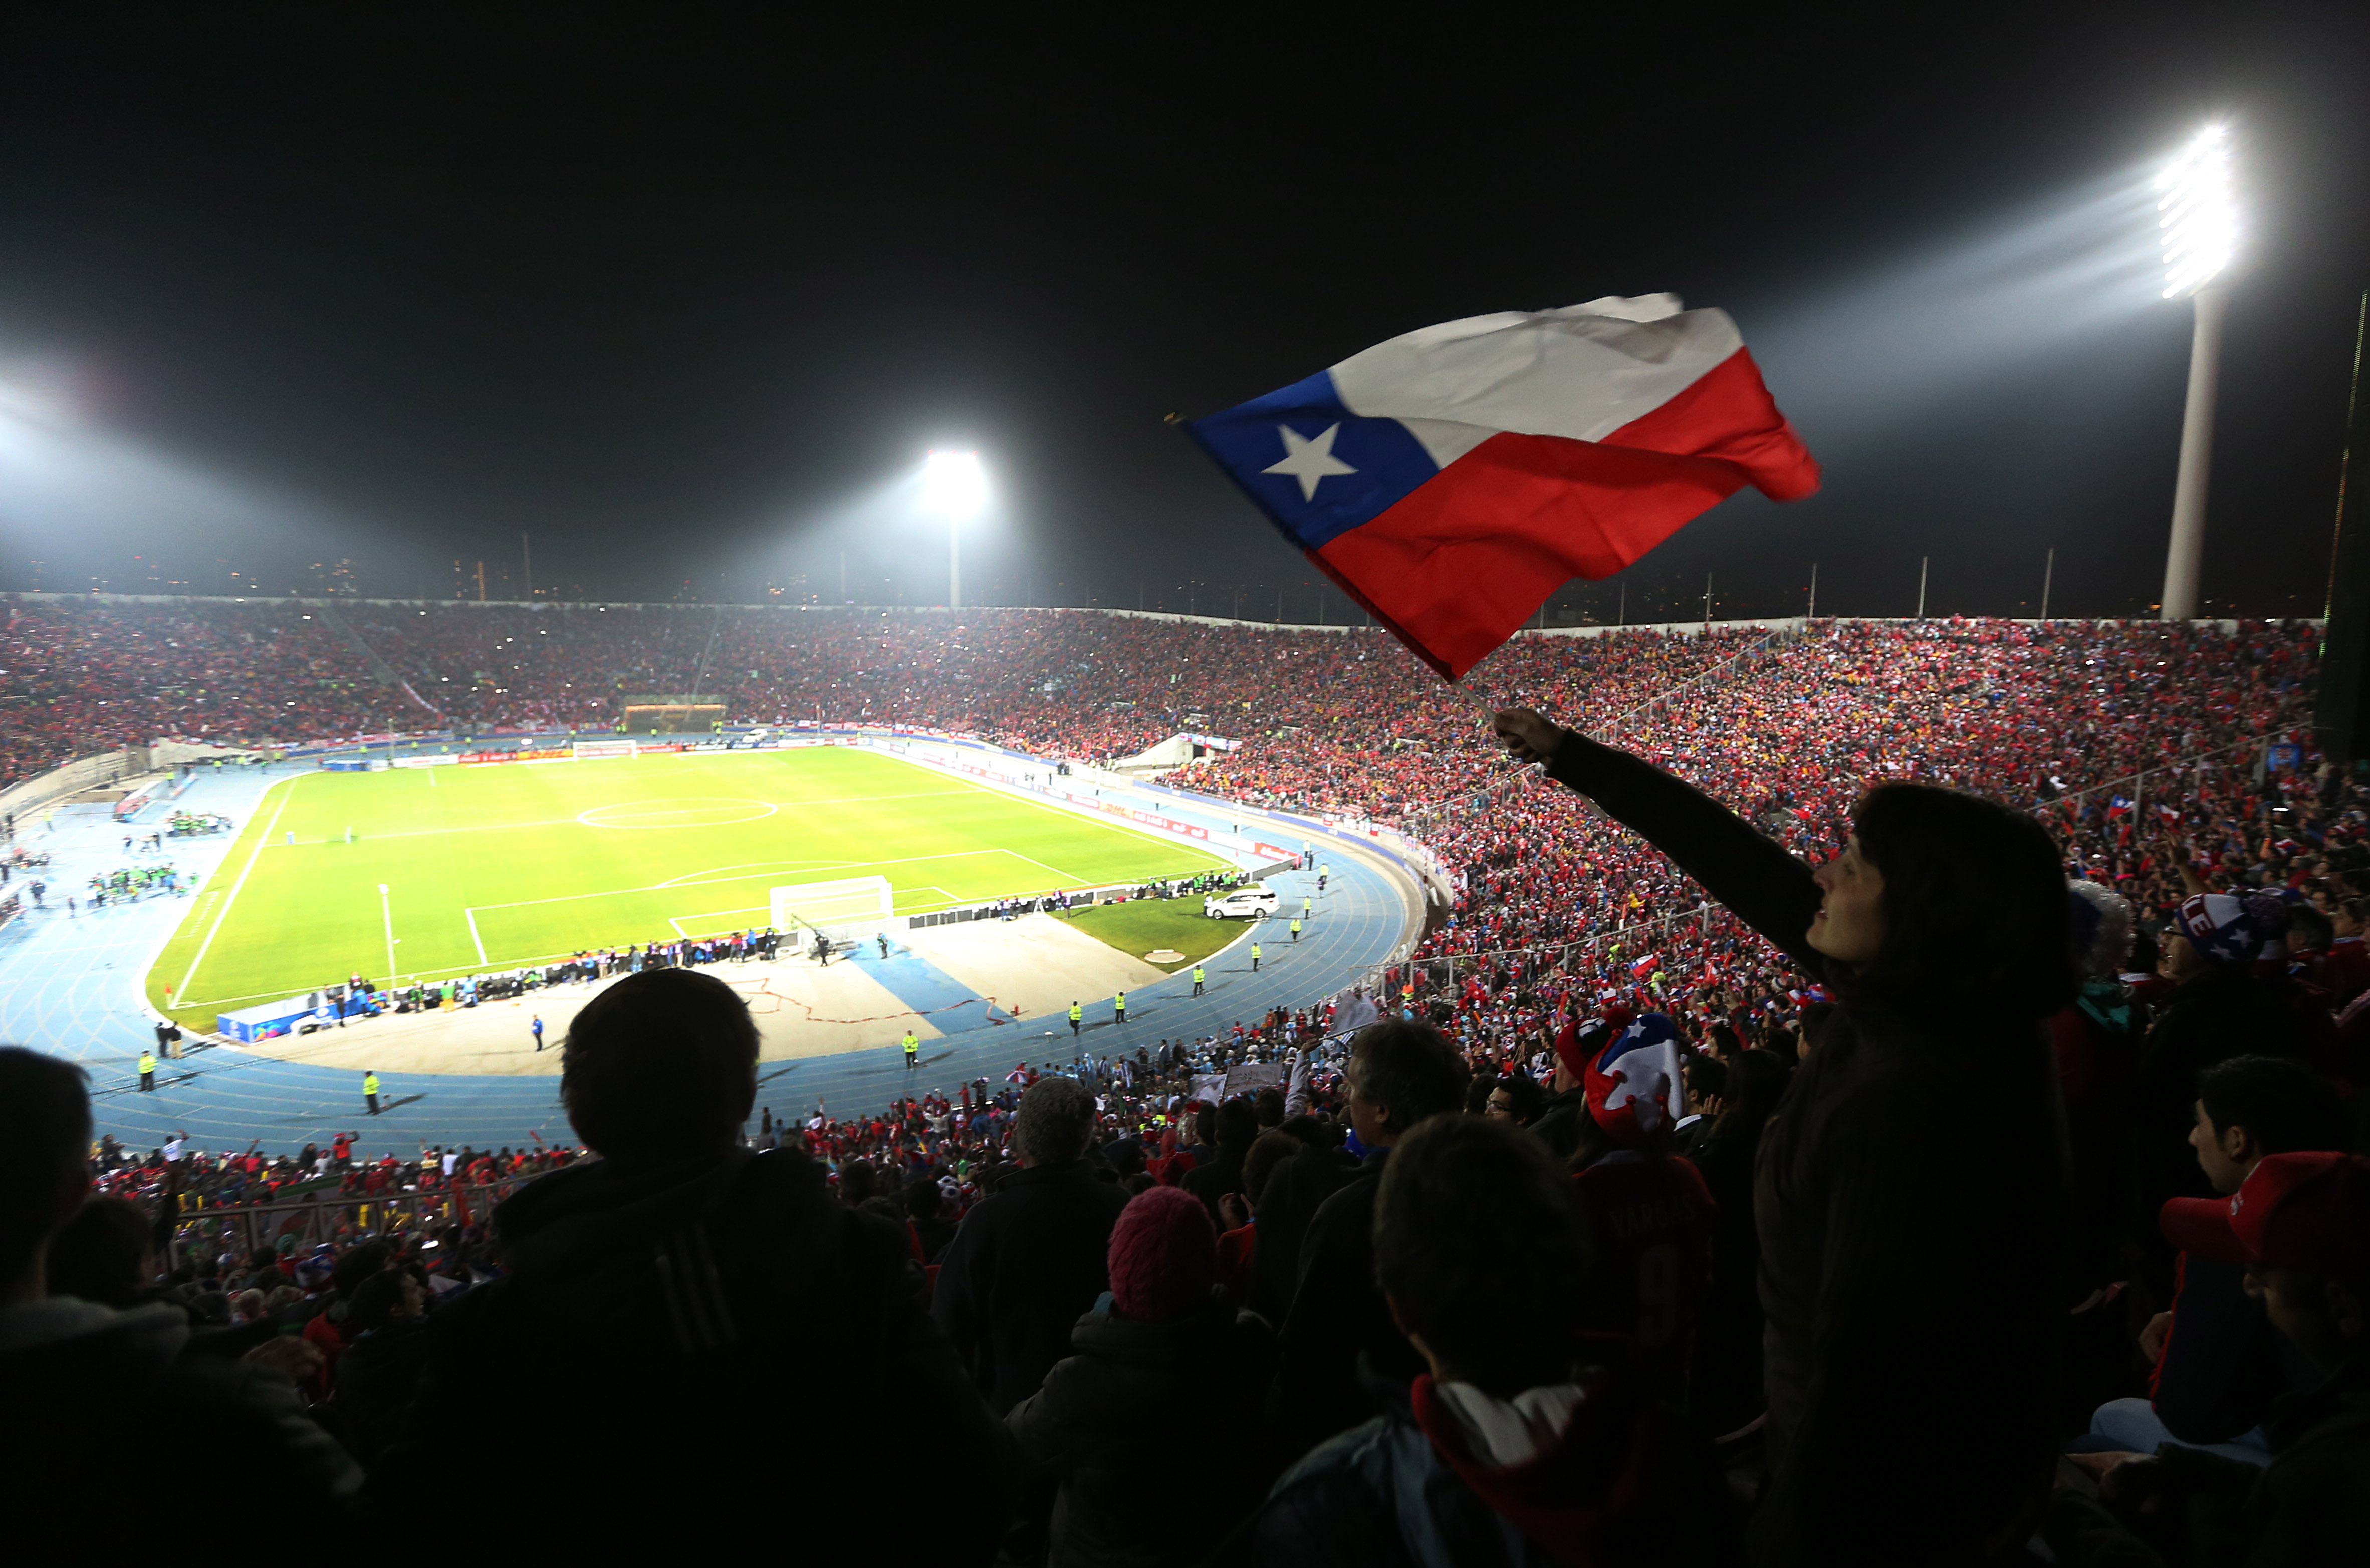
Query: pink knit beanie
column 1164, row 1255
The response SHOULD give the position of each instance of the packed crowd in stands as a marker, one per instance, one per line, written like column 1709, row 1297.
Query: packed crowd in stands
column 2070, row 1203
column 1993, row 1195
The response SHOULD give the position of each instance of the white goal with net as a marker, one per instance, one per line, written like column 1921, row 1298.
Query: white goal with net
column 585, row 748
column 852, row 908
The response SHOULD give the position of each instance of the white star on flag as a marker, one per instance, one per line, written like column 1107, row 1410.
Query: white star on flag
column 1308, row 460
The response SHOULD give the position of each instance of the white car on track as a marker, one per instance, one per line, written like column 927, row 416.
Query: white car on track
column 1253, row 902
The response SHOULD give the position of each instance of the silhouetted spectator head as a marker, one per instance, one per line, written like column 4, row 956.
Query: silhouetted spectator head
column 1269, row 1104
column 660, row 1066
column 1726, row 1044
column 366, row 1262
column 1482, row 1250
column 1267, row 1150
column 389, row 1294
column 858, row 1180
column 101, row 1254
column 44, row 1170
column 1756, row 1082
column 1706, row 1078
column 1237, row 1124
column 1970, row 913
column 2309, row 930
column 1056, row 1121
column 1402, row 1072
column 1164, row 1255
column 923, row 1200
column 1312, row 1132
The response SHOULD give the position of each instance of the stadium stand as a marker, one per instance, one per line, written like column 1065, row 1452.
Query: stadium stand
column 1984, row 1230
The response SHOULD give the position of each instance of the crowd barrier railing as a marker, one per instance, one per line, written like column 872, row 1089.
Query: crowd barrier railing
column 327, row 1216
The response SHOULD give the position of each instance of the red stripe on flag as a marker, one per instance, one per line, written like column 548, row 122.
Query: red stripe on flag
column 1728, row 414
column 1456, row 568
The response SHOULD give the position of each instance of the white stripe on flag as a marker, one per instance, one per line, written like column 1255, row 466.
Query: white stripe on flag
column 1580, row 372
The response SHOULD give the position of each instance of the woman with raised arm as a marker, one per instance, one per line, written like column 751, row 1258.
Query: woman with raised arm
column 1909, row 1193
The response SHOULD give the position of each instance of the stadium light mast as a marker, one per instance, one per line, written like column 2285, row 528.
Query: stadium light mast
column 954, row 488
column 2200, row 229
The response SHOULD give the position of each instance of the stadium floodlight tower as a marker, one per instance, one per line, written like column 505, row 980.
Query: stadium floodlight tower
column 2200, row 232
column 954, row 488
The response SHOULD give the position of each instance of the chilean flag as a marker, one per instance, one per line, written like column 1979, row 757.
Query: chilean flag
column 1452, row 478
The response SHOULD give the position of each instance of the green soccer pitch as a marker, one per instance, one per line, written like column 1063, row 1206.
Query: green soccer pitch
column 496, row 866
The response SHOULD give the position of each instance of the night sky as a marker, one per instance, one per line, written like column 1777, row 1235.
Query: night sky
column 685, row 293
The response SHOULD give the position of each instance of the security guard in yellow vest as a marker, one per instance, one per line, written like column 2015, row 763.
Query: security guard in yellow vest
column 370, row 1092
column 1255, row 955
column 913, row 1043
column 1295, row 931
column 1119, row 1006
column 1077, row 1012
column 1197, row 980
column 147, row 1070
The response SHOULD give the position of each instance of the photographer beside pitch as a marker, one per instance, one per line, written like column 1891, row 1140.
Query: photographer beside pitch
column 1910, row 1188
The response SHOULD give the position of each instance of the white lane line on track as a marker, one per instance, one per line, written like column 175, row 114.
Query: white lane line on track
column 223, row 914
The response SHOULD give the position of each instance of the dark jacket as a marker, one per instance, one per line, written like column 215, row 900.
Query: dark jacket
column 1026, row 1264
column 1094, row 1422
column 377, row 1376
column 1558, row 1125
column 1910, row 1147
column 1401, row 1491
column 1295, row 1189
column 2310, row 1506
column 1223, row 1174
column 2223, row 1365
column 1727, row 1390
column 680, row 1344
column 78, row 1380
column 1337, row 1313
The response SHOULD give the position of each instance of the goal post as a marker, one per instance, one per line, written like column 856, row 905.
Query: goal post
column 850, row 907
